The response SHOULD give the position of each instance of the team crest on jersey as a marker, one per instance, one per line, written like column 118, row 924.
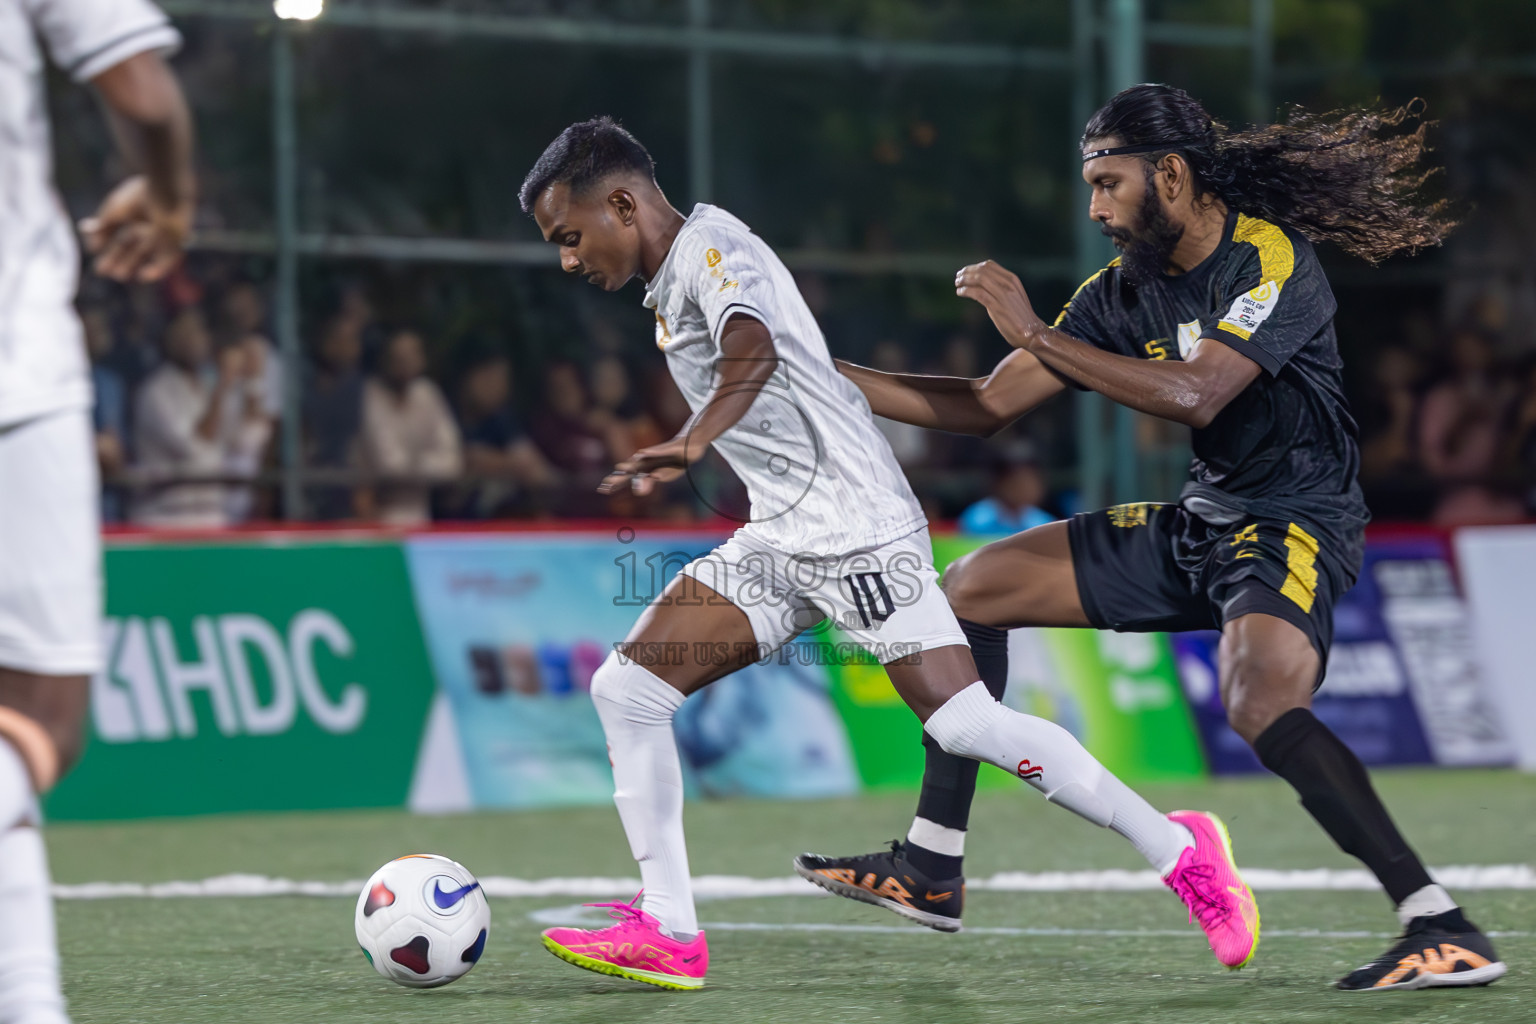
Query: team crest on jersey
column 1188, row 334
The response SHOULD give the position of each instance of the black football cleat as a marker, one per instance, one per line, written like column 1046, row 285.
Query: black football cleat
column 887, row 879
column 1436, row 950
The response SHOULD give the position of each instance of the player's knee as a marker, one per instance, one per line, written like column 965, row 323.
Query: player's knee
column 1253, row 703
column 608, row 681
column 955, row 746
column 1261, row 681
column 962, row 587
column 1246, row 716
column 626, row 690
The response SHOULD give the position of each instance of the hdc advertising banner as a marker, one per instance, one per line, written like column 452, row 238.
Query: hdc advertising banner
column 252, row 676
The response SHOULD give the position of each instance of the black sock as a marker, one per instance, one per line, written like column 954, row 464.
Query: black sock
column 949, row 782
column 1336, row 790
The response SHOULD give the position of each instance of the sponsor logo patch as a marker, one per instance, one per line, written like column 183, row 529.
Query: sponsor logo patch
column 1249, row 310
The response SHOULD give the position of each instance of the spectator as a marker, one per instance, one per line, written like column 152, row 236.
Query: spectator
column 1522, row 438
column 242, row 315
column 908, row 441
column 333, row 415
column 1459, row 425
column 562, row 430
column 1018, row 489
column 1459, row 434
column 1388, row 451
column 183, row 425
column 109, row 414
column 408, row 433
column 616, row 415
column 243, row 321
column 495, row 443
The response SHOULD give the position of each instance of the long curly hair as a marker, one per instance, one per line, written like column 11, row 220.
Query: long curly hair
column 1351, row 177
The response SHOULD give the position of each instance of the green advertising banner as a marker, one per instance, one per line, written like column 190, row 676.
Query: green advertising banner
column 253, row 676
column 1118, row 693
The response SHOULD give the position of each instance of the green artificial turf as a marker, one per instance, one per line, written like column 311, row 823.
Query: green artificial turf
column 275, row 959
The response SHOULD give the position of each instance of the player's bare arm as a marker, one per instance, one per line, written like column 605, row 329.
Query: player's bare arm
column 961, row 405
column 141, row 227
column 747, row 361
column 1191, row 392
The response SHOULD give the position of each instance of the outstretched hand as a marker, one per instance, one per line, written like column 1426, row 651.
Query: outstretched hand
column 133, row 237
column 1002, row 295
column 642, row 471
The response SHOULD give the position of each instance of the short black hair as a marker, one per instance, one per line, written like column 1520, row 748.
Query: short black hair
column 583, row 155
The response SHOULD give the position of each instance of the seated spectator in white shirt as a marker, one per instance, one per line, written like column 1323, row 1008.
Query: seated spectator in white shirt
column 186, row 424
column 408, row 432
column 242, row 323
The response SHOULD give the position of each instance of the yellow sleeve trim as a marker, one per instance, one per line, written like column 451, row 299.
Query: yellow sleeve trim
column 1277, row 257
column 1234, row 329
column 1095, row 276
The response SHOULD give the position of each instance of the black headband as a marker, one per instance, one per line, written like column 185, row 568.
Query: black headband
column 1127, row 150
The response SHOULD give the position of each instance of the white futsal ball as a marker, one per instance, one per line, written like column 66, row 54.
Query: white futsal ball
column 422, row 920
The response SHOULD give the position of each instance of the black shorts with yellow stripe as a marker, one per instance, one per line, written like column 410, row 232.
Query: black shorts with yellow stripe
column 1151, row 567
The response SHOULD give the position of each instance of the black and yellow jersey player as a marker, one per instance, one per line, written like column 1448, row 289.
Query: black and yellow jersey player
column 1217, row 315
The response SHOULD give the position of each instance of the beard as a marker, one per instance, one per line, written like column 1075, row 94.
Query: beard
column 1145, row 249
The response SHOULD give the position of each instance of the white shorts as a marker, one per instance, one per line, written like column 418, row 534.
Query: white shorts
column 886, row 599
column 50, row 546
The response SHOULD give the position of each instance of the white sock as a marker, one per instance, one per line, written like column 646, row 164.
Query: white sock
column 636, row 709
column 930, row 835
column 1432, row 899
column 29, row 956
column 1049, row 758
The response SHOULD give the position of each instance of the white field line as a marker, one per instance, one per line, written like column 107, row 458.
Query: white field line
column 578, row 916
column 1466, row 877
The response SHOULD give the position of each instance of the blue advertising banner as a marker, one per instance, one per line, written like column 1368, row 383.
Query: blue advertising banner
column 1402, row 685
column 515, row 627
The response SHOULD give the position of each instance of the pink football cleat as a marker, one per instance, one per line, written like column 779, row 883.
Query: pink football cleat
column 1206, row 879
column 634, row 948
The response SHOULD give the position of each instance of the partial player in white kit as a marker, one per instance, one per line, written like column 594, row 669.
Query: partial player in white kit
column 50, row 547
column 835, row 533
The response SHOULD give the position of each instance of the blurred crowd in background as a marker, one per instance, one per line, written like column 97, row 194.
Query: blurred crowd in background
column 441, row 380
column 401, row 427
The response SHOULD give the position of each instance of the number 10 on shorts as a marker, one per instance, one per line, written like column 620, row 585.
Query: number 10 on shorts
column 870, row 597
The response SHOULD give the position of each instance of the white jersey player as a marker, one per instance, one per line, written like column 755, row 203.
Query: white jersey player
column 50, row 549
column 820, row 477
column 834, row 533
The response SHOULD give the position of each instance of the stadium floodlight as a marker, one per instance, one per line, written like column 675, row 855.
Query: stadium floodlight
column 298, row 10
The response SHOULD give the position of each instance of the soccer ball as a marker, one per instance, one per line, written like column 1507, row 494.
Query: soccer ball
column 422, row 920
